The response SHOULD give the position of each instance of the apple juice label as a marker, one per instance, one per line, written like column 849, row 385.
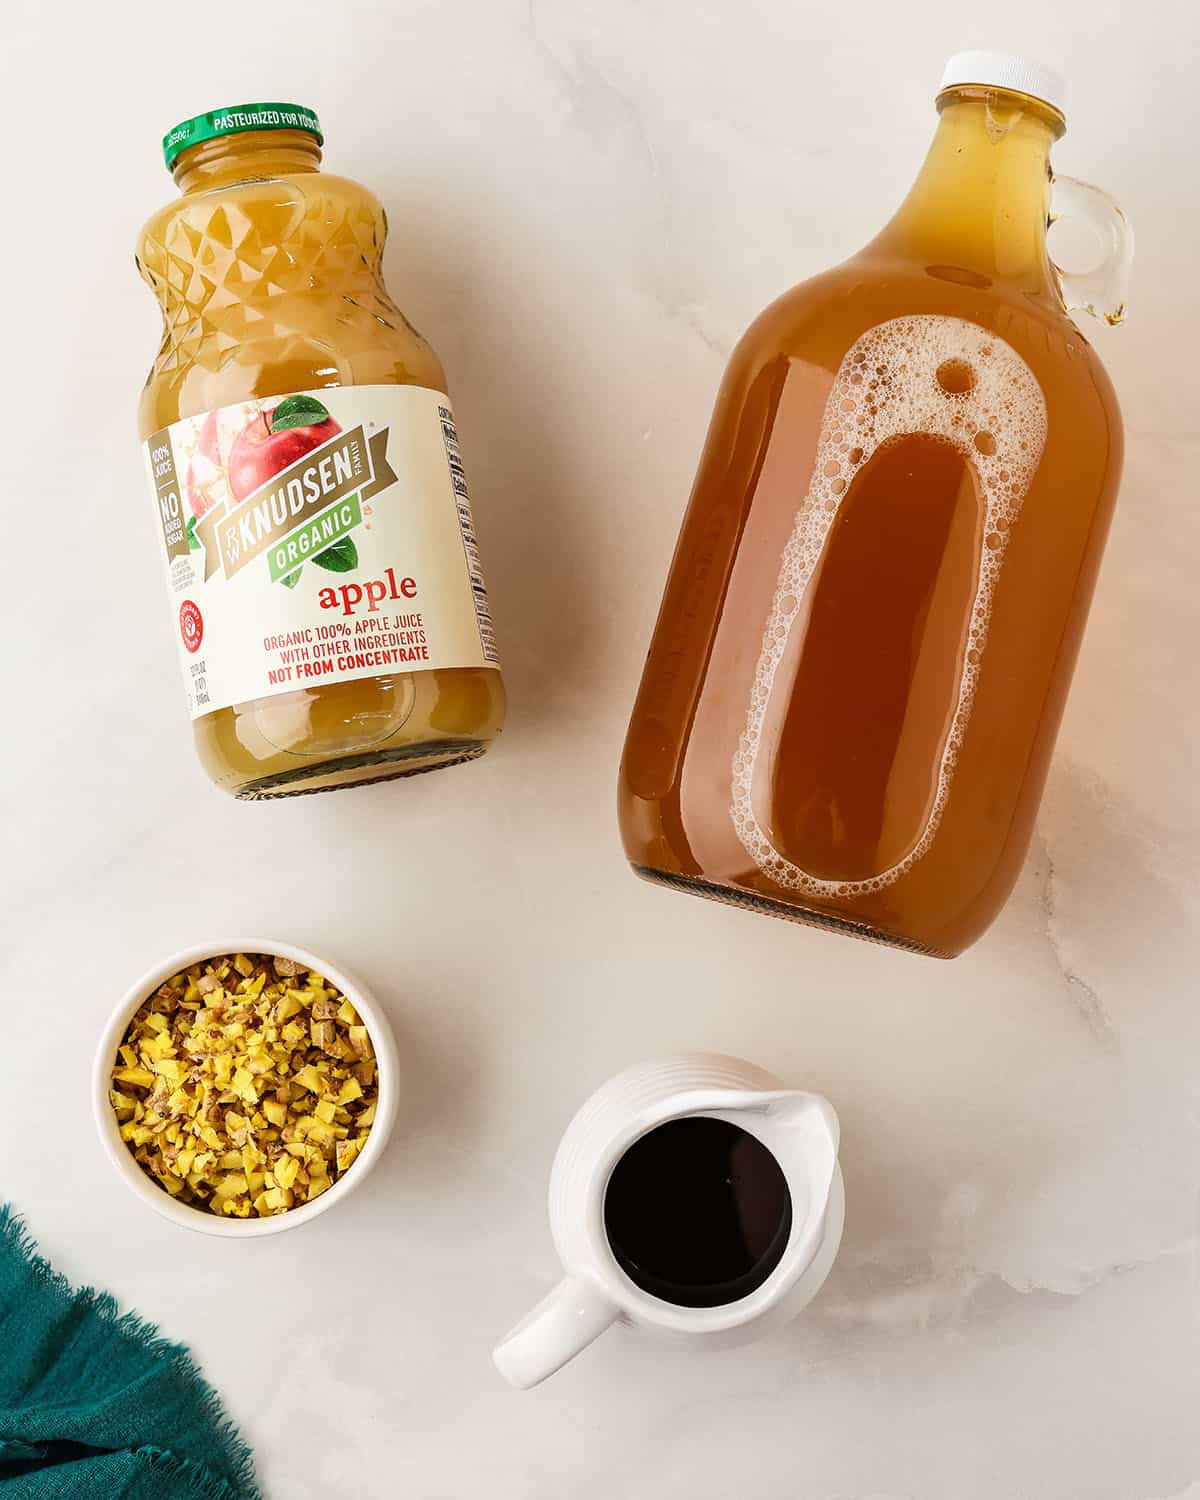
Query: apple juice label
column 317, row 538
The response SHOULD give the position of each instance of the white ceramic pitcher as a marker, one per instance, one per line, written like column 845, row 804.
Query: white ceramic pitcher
column 801, row 1132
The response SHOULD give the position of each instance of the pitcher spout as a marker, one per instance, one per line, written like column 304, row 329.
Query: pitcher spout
column 799, row 1128
column 807, row 1139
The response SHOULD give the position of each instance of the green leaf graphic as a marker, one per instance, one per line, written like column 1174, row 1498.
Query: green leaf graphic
column 192, row 539
column 340, row 558
column 292, row 579
column 297, row 411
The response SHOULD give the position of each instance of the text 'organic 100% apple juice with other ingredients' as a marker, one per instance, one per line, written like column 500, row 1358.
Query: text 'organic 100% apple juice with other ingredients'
column 325, row 584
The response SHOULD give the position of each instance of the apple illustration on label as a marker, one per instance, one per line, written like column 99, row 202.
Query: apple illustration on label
column 205, row 476
column 276, row 438
column 268, row 444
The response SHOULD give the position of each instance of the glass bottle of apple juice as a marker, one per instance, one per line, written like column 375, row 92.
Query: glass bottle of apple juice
column 324, row 579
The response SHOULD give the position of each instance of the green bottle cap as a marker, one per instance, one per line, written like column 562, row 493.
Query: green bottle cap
column 239, row 117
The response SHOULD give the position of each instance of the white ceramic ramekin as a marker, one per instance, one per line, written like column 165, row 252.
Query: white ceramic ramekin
column 144, row 1186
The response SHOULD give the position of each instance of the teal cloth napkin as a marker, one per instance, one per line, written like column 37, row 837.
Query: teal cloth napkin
column 94, row 1404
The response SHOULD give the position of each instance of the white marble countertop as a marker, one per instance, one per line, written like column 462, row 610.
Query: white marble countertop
column 588, row 202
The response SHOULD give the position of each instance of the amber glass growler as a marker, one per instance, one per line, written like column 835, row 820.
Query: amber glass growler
column 877, row 597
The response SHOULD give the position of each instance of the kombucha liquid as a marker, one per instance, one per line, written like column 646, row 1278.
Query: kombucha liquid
column 859, row 667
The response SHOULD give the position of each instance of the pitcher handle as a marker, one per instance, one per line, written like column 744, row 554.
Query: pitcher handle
column 1101, row 290
column 562, row 1324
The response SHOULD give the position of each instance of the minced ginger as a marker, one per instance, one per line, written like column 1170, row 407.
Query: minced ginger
column 245, row 1085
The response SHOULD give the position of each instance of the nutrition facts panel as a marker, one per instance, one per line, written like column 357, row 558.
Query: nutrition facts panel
column 487, row 633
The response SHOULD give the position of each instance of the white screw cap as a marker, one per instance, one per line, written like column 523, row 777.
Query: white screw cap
column 1004, row 70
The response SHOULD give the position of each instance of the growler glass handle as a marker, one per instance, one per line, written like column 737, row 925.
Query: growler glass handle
column 1101, row 290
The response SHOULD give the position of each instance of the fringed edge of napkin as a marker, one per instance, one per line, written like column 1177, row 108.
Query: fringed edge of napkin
column 239, row 1456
